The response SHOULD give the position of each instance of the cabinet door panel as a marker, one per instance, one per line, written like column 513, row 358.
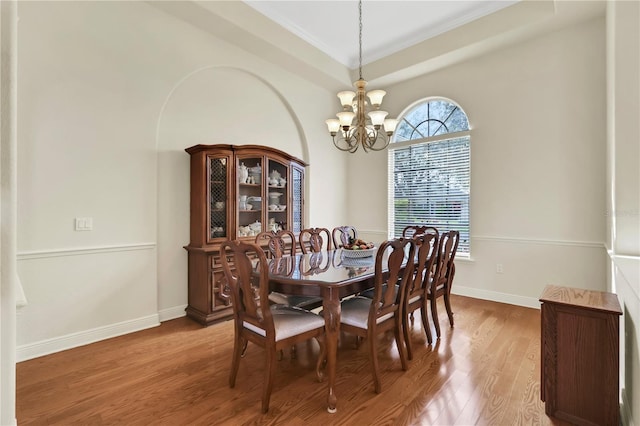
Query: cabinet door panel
column 219, row 195
column 297, row 199
column 250, row 202
column 277, row 195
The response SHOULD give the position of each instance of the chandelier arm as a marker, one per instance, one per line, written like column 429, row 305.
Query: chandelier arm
column 372, row 141
column 350, row 143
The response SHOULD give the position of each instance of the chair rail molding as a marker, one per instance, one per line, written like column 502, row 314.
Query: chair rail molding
column 78, row 251
column 520, row 240
column 509, row 240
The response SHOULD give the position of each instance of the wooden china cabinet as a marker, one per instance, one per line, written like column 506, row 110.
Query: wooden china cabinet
column 236, row 192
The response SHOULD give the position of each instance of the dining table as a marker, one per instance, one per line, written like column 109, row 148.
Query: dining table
column 332, row 276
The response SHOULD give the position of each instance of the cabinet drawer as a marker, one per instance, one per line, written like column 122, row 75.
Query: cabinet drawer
column 216, row 263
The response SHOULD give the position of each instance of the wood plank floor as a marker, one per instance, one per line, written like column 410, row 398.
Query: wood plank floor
column 484, row 371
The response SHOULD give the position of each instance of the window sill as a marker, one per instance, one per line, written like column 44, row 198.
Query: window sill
column 464, row 258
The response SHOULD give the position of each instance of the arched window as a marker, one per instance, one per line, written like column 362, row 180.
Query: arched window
column 429, row 169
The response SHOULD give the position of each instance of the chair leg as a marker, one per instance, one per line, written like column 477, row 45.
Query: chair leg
column 425, row 323
column 447, row 305
column 405, row 331
column 244, row 348
column 400, row 343
column 269, row 375
column 373, row 355
column 235, row 360
column 434, row 316
column 322, row 358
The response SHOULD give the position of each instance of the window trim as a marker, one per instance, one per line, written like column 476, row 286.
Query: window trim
column 395, row 145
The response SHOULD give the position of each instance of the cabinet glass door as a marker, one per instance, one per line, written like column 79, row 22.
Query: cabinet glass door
column 297, row 197
column 250, row 204
column 277, row 196
column 218, row 221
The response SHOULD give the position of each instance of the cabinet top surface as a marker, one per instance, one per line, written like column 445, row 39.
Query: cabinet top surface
column 240, row 149
column 596, row 300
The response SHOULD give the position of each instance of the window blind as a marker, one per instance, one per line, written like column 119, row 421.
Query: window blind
column 430, row 186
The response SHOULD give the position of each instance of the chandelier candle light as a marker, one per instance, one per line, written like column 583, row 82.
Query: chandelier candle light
column 367, row 128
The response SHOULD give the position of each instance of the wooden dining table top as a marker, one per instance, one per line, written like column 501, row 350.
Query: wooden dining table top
column 311, row 272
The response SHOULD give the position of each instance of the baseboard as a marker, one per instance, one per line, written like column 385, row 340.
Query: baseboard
column 172, row 313
column 511, row 299
column 69, row 341
column 626, row 417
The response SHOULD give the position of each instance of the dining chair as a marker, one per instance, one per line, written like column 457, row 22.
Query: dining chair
column 367, row 317
column 315, row 240
column 418, row 286
column 445, row 269
column 416, row 230
column 342, row 234
column 280, row 244
column 272, row 327
column 413, row 231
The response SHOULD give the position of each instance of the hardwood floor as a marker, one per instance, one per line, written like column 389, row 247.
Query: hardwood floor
column 485, row 371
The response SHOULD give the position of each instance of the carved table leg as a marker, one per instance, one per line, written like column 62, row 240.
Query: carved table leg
column 331, row 312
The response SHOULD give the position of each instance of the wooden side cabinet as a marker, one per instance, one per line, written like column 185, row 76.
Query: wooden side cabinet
column 580, row 355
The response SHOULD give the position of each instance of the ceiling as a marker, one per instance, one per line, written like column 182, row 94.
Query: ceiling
column 402, row 39
column 387, row 26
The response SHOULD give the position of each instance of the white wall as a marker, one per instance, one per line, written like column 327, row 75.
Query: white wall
column 537, row 114
column 9, row 293
column 106, row 108
column 623, row 190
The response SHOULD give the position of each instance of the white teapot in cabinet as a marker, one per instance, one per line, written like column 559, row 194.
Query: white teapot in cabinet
column 243, row 173
column 274, row 175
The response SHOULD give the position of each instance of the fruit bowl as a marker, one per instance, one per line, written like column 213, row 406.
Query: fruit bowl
column 354, row 254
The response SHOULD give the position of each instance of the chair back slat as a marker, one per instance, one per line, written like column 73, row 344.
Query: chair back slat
column 315, row 240
column 413, row 231
column 341, row 235
column 427, row 250
column 279, row 244
column 386, row 298
column 447, row 248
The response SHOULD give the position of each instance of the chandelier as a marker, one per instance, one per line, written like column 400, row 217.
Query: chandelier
column 366, row 130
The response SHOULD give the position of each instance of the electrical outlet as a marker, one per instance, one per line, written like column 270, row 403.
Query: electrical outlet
column 499, row 269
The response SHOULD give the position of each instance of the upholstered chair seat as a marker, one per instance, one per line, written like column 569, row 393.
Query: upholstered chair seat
column 289, row 321
column 355, row 312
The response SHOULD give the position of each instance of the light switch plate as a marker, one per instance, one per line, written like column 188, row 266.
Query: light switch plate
column 84, row 223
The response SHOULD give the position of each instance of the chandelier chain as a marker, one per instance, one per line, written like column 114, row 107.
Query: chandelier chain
column 360, row 38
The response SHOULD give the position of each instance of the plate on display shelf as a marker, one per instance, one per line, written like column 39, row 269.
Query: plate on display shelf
column 355, row 254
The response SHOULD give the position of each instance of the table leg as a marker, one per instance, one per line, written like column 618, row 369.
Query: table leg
column 331, row 312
